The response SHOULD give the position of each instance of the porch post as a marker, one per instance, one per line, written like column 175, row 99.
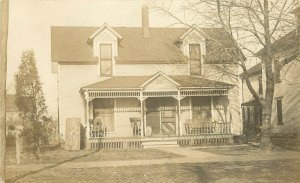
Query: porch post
column 212, row 108
column 142, row 100
column 87, row 124
column 178, row 124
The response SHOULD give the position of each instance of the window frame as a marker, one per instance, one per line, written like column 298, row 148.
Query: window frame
column 106, row 59
column 279, row 111
column 195, row 59
column 260, row 85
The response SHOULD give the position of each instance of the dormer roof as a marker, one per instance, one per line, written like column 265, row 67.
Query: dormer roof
column 103, row 27
column 193, row 28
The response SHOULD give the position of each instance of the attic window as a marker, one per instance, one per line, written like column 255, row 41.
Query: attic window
column 195, row 59
column 106, row 59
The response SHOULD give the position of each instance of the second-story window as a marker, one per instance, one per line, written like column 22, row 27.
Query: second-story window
column 195, row 59
column 279, row 111
column 106, row 59
column 260, row 85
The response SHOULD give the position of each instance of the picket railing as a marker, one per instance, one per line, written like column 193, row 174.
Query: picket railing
column 102, row 131
column 98, row 131
column 207, row 128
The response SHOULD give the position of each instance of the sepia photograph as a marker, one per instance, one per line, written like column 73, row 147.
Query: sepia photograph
column 158, row 91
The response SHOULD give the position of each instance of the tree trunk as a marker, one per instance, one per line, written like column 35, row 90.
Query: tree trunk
column 266, row 143
column 3, row 71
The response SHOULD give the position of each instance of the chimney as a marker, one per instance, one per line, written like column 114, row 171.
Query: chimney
column 145, row 21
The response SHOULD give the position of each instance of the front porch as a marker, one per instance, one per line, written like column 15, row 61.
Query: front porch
column 123, row 123
column 125, row 118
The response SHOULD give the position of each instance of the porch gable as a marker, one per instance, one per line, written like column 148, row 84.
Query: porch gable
column 160, row 81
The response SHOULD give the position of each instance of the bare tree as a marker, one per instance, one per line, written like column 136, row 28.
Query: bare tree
column 3, row 71
column 253, row 25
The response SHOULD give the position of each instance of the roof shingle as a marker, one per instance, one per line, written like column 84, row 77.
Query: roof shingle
column 69, row 44
column 135, row 82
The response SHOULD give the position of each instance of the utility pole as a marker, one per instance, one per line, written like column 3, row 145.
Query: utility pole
column 3, row 71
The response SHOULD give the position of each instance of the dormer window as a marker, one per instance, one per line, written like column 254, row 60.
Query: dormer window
column 105, row 59
column 195, row 59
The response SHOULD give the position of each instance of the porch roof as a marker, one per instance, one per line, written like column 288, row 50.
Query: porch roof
column 137, row 82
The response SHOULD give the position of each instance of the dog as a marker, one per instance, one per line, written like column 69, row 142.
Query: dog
column 148, row 131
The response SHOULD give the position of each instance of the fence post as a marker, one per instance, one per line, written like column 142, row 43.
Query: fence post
column 18, row 147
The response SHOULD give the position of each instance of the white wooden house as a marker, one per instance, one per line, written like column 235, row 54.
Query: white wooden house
column 285, row 121
column 130, row 84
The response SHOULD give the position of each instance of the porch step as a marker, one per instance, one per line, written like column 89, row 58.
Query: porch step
column 159, row 142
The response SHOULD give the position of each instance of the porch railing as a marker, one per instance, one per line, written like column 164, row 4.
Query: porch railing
column 102, row 131
column 207, row 128
column 98, row 131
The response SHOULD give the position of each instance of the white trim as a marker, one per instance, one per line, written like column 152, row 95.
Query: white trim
column 190, row 30
column 105, row 26
column 155, row 76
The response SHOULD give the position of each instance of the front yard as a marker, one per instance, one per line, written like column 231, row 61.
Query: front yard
column 48, row 168
column 57, row 155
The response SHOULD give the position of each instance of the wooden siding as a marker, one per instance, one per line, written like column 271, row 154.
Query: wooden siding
column 288, row 90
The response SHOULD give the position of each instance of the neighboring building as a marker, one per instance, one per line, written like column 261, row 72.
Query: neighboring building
column 144, row 82
column 251, row 110
column 286, row 105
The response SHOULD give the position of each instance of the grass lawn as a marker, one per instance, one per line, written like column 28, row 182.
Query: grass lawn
column 47, row 169
column 236, row 151
column 57, row 155
column 231, row 172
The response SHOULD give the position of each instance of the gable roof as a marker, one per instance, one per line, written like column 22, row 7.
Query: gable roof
column 69, row 44
column 254, row 70
column 157, row 75
column 138, row 82
column 285, row 43
column 104, row 26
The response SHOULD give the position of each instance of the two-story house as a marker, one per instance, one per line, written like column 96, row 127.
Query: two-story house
column 133, row 84
column 286, row 105
column 251, row 110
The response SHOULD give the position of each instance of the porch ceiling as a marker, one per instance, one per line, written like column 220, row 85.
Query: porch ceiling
column 136, row 83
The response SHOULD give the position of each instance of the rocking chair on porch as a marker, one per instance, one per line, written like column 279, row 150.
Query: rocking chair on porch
column 136, row 126
column 97, row 129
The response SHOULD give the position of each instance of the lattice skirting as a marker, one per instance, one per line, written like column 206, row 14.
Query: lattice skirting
column 134, row 143
column 205, row 140
column 114, row 143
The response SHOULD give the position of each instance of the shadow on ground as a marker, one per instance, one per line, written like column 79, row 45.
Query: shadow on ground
column 199, row 171
column 14, row 179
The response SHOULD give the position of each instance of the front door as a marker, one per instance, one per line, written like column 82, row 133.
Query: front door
column 161, row 116
column 168, row 122
column 153, row 121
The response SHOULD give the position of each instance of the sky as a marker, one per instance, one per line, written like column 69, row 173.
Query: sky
column 30, row 22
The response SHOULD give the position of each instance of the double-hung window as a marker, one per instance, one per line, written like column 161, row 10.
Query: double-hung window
column 279, row 111
column 106, row 59
column 195, row 59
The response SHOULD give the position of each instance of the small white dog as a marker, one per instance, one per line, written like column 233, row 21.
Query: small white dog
column 148, row 131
